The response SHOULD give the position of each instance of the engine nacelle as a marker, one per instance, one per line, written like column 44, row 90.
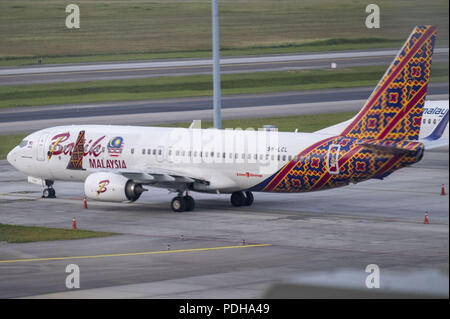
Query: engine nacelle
column 111, row 187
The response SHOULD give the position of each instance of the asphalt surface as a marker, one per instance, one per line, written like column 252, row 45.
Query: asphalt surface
column 27, row 119
column 218, row 251
column 180, row 67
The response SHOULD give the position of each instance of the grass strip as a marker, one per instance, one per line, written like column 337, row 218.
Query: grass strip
column 198, row 85
column 26, row 234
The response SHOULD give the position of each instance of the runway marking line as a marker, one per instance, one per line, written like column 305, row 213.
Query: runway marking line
column 135, row 254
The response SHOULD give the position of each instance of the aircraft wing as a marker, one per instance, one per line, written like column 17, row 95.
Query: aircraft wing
column 432, row 144
column 158, row 175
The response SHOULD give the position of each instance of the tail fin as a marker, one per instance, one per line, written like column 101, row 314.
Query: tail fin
column 394, row 109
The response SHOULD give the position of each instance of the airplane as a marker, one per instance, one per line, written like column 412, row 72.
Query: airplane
column 117, row 162
column 434, row 112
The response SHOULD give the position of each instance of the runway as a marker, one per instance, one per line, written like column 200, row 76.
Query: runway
column 219, row 251
column 28, row 119
column 183, row 67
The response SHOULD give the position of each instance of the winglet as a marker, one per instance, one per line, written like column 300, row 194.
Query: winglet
column 76, row 160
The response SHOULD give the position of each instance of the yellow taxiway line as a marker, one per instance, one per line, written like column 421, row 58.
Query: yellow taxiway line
column 133, row 254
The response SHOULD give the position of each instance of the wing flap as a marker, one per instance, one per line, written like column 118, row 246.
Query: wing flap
column 154, row 176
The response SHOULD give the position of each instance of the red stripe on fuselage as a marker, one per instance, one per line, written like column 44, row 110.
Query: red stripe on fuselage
column 283, row 172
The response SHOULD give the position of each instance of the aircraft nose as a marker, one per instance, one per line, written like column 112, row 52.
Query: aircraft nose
column 10, row 157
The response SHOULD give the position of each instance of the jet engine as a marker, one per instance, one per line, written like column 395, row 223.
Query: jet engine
column 111, row 187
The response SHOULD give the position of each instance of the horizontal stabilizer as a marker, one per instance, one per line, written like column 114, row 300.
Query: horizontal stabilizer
column 393, row 147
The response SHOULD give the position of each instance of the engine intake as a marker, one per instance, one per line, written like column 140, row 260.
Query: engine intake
column 111, row 187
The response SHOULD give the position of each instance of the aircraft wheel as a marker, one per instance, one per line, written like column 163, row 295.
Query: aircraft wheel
column 178, row 204
column 190, row 203
column 248, row 198
column 52, row 193
column 237, row 199
column 46, row 193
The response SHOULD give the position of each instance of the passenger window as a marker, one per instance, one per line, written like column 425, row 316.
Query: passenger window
column 132, row 151
column 434, row 121
column 149, row 151
column 143, row 151
column 154, row 152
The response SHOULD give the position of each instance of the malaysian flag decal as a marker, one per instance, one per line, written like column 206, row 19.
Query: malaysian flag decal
column 115, row 146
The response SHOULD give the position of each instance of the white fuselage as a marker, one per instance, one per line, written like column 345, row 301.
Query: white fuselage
column 230, row 159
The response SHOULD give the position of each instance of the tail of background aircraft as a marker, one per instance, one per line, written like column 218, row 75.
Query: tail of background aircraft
column 394, row 109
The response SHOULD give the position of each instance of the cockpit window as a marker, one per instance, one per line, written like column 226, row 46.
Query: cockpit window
column 23, row 143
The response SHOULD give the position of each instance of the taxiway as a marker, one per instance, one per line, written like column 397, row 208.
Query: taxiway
column 218, row 251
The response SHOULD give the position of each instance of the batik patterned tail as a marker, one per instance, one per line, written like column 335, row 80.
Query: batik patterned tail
column 76, row 160
column 394, row 109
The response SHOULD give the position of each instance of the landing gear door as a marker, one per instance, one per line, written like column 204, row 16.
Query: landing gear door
column 333, row 159
column 41, row 147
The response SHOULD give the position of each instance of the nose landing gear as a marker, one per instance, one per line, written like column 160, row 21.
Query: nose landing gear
column 49, row 192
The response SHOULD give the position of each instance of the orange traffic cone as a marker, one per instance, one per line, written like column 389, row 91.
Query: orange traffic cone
column 425, row 221
column 85, row 203
column 74, row 223
column 442, row 190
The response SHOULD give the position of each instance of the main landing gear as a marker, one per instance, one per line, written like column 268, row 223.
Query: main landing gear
column 49, row 192
column 241, row 198
column 183, row 203
column 186, row 203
